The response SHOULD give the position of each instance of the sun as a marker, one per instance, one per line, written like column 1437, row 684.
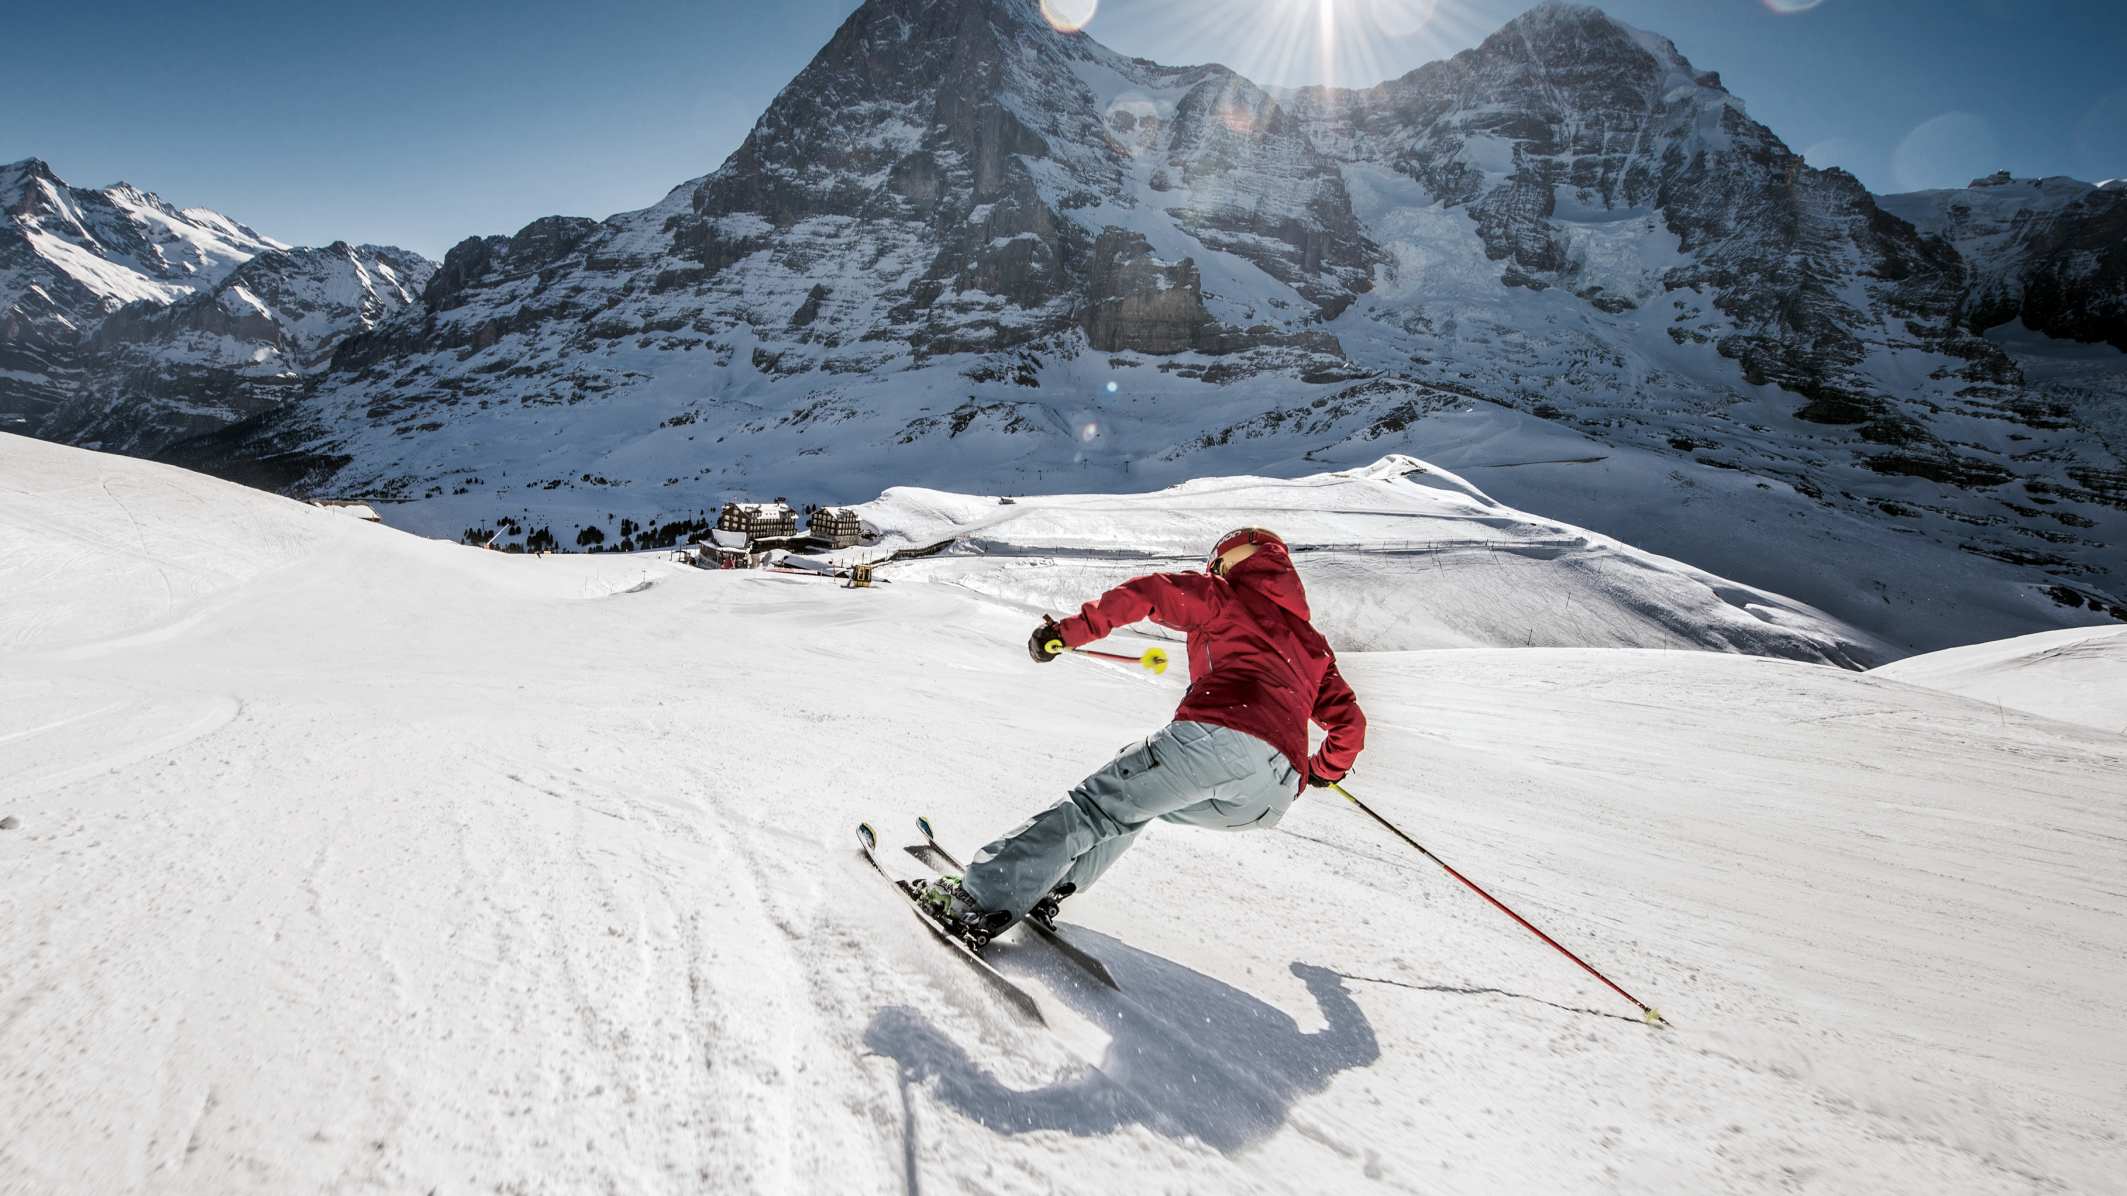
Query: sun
column 1296, row 43
column 1339, row 43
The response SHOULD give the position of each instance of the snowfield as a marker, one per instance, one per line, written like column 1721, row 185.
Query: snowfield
column 348, row 860
column 2078, row 675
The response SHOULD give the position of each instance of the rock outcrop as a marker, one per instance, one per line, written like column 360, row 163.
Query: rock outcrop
column 1137, row 303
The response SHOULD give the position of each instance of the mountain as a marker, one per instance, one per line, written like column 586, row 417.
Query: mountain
column 332, row 857
column 963, row 247
column 2051, row 253
column 128, row 323
column 160, row 373
column 71, row 256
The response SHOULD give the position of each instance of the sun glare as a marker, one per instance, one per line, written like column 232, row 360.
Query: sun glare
column 1337, row 43
column 1069, row 16
column 1401, row 18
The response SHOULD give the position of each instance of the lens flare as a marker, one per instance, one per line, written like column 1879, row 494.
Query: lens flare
column 1129, row 110
column 1088, row 432
column 1945, row 151
column 1790, row 7
column 1112, row 388
column 1134, row 123
column 1401, row 18
column 1069, row 16
column 1846, row 153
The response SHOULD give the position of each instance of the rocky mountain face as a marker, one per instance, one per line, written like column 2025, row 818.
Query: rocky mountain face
column 71, row 256
column 155, row 374
column 2051, row 253
column 1567, row 120
column 964, row 247
column 128, row 324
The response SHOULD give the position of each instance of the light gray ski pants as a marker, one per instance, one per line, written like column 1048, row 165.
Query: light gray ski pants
column 1196, row 774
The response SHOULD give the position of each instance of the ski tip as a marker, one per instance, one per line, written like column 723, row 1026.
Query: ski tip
column 924, row 824
column 1654, row 1018
column 867, row 836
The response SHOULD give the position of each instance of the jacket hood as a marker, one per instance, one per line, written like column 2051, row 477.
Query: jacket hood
column 1269, row 572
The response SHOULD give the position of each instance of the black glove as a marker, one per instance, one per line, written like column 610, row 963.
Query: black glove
column 1038, row 643
column 1316, row 780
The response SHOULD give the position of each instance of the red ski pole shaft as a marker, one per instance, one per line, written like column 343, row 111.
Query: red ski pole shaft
column 1154, row 659
column 1652, row 1016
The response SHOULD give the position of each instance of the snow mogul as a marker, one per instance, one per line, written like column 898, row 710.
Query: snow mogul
column 1234, row 758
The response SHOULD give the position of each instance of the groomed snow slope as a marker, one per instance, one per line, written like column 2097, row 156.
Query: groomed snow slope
column 378, row 863
column 2078, row 675
column 1398, row 555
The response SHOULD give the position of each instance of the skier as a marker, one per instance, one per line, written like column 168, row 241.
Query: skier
column 1234, row 757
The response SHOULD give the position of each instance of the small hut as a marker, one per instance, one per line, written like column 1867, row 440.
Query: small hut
column 836, row 527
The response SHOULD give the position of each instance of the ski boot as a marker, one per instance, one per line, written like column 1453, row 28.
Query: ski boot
column 946, row 903
column 1045, row 910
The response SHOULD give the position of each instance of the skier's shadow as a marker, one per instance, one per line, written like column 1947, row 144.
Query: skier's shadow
column 1189, row 1056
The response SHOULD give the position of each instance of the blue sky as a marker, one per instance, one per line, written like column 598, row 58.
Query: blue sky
column 421, row 123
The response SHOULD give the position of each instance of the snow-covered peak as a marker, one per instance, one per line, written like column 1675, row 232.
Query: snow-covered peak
column 1572, row 37
column 105, row 248
column 166, row 371
column 1555, row 18
column 18, row 178
column 126, row 321
column 1980, row 217
column 2044, row 250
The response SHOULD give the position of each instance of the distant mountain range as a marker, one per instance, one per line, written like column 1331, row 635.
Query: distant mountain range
column 963, row 248
column 129, row 324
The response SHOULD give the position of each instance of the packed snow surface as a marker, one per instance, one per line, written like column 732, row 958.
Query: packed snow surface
column 344, row 859
column 2079, row 674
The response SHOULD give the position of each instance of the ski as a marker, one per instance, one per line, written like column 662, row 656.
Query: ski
column 1015, row 996
column 1071, row 951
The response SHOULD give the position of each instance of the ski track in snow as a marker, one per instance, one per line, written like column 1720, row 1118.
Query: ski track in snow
column 359, row 861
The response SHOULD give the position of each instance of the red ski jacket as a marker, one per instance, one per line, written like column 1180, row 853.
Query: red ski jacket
column 1256, row 664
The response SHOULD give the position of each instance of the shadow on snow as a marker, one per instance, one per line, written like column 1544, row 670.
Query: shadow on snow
column 1189, row 1056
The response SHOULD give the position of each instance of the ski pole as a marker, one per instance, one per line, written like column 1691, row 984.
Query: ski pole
column 1648, row 1013
column 1154, row 659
